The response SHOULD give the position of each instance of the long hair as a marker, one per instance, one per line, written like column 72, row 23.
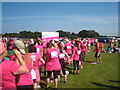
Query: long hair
column 77, row 44
column 32, row 48
column 61, row 47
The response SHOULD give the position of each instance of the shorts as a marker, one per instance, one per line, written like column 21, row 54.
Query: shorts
column 55, row 74
column 97, row 54
column 92, row 44
column 24, row 87
column 69, row 55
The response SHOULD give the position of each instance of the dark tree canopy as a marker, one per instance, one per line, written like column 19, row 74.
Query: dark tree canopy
column 88, row 33
column 67, row 34
column 10, row 35
column 62, row 33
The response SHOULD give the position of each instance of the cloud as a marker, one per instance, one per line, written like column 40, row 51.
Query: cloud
column 25, row 17
column 96, row 19
column 60, row 0
column 72, row 18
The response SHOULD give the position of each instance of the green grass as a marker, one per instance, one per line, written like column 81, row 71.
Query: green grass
column 103, row 75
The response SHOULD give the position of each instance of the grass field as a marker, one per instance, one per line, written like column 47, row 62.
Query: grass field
column 103, row 75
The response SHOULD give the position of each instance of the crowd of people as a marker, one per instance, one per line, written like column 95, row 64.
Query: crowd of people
column 114, row 46
column 21, row 67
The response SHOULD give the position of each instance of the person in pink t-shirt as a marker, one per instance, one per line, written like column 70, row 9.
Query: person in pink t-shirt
column 98, row 50
column 88, row 44
column 39, row 49
column 10, row 68
column 35, row 58
column 68, row 48
column 25, row 80
column 76, row 57
column 83, row 50
column 92, row 42
column 52, row 64
column 62, row 56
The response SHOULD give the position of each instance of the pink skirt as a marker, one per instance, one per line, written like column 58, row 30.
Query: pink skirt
column 37, row 75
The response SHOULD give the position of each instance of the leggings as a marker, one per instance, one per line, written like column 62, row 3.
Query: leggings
column 63, row 65
column 82, row 56
column 76, row 65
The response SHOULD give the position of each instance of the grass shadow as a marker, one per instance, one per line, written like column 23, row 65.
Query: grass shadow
column 89, row 61
column 43, row 85
column 69, row 68
column 109, row 86
column 114, row 81
column 43, row 78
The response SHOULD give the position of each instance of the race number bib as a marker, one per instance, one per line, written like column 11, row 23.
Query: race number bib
column 33, row 57
column 54, row 54
column 68, row 47
column 38, row 50
column 78, row 52
column 62, row 55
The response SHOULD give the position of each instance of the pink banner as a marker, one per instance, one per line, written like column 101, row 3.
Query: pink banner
column 47, row 40
column 47, row 36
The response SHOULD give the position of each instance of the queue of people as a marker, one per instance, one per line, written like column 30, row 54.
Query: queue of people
column 21, row 69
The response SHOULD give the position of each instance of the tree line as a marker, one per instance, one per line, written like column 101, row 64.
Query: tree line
column 73, row 35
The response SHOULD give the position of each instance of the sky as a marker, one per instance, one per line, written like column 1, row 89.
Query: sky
column 59, row 0
column 68, row 16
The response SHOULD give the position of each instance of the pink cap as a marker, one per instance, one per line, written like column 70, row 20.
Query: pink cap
column 2, row 47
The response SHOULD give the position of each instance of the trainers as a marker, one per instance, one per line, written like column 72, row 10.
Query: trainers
column 65, row 81
column 51, row 81
column 58, row 81
column 38, row 86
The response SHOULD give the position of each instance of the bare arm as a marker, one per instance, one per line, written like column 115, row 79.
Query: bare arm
column 42, row 60
column 44, row 54
column 23, row 68
column 73, row 54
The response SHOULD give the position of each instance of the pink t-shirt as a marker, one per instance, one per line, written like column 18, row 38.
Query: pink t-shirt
column 92, row 41
column 12, row 42
column 26, row 79
column 26, row 42
column 83, row 47
column 39, row 49
column 8, row 78
column 52, row 60
column 77, row 54
column 11, row 47
column 12, row 57
column 35, row 57
column 62, row 56
column 68, row 48
column 89, row 42
column 81, row 42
